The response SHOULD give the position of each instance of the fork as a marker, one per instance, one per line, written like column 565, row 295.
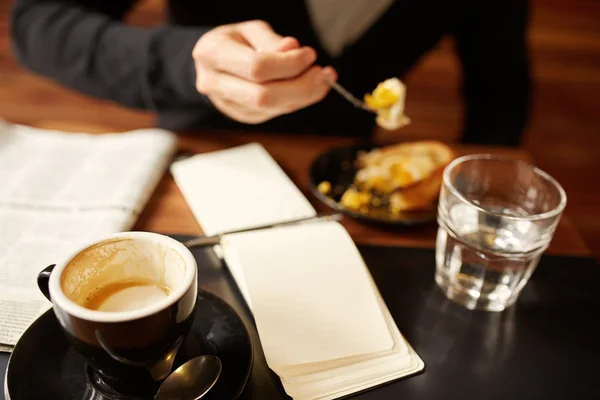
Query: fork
column 349, row 96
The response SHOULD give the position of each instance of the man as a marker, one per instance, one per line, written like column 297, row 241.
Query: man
column 242, row 64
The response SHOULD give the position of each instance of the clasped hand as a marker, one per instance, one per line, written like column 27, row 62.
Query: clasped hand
column 252, row 74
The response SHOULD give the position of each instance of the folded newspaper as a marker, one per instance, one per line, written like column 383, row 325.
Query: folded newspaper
column 58, row 189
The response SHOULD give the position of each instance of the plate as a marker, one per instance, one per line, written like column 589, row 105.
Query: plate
column 43, row 365
column 336, row 166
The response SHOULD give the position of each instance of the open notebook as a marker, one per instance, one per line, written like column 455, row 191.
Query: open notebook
column 325, row 330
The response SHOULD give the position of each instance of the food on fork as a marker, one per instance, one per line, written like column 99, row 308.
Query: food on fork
column 408, row 175
column 387, row 100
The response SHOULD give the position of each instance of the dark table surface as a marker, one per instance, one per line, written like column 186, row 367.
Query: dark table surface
column 547, row 346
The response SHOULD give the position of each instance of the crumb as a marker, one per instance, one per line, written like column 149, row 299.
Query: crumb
column 324, row 187
column 354, row 199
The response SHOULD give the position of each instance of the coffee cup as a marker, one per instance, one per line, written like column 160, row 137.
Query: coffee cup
column 126, row 303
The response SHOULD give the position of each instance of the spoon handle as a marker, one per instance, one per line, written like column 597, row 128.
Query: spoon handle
column 216, row 239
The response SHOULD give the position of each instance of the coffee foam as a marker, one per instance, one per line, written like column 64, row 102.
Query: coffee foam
column 120, row 260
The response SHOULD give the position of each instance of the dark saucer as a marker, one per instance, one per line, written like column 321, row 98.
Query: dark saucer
column 43, row 365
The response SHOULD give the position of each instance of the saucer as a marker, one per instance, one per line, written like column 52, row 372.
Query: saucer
column 43, row 364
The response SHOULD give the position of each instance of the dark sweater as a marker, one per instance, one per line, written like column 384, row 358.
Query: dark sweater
column 84, row 44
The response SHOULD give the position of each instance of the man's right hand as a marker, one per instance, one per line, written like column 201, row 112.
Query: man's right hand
column 252, row 74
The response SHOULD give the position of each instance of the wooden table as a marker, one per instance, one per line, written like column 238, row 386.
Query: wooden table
column 437, row 331
column 167, row 212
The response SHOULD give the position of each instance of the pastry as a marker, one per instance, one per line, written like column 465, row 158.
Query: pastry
column 408, row 175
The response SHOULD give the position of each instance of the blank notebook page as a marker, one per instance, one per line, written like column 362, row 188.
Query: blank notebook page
column 311, row 294
column 239, row 188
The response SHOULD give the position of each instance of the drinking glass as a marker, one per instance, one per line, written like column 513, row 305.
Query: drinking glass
column 496, row 217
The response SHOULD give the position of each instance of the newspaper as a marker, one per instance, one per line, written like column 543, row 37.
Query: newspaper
column 58, row 190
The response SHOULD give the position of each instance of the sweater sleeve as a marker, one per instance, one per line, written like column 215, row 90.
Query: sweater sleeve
column 85, row 45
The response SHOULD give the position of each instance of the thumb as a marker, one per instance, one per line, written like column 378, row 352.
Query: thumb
column 287, row 43
column 261, row 36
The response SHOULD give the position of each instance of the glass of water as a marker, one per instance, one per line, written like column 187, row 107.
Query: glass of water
column 496, row 217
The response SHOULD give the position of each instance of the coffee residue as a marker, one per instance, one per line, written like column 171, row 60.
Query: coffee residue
column 124, row 295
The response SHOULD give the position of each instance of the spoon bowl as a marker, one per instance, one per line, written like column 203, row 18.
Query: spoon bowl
column 192, row 380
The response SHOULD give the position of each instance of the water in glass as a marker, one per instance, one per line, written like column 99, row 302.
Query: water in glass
column 486, row 263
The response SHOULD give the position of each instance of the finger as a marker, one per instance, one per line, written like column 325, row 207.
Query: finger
column 274, row 66
column 255, row 66
column 239, row 112
column 232, row 88
column 294, row 94
column 288, row 43
column 228, row 51
column 224, row 50
column 260, row 35
column 279, row 97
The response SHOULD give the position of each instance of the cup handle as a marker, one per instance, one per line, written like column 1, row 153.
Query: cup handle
column 42, row 280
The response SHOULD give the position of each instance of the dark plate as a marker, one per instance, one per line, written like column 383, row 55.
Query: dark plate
column 43, row 364
column 336, row 166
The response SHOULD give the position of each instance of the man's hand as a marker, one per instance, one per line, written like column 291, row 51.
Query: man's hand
column 252, row 74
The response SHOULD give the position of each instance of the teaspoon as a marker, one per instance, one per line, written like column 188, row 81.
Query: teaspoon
column 192, row 380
